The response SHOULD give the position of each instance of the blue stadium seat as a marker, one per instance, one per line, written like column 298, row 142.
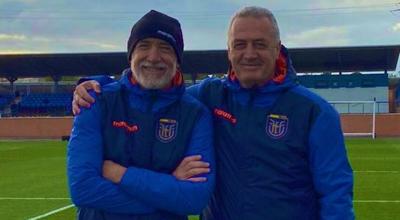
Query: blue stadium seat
column 47, row 103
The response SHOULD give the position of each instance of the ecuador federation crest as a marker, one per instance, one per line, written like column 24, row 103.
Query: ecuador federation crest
column 277, row 125
column 166, row 130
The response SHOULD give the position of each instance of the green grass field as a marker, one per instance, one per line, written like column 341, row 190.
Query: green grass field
column 33, row 182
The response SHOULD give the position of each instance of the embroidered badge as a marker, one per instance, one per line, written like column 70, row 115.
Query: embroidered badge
column 126, row 126
column 225, row 115
column 277, row 125
column 166, row 130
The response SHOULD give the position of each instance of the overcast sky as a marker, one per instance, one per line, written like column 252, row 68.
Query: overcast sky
column 61, row 26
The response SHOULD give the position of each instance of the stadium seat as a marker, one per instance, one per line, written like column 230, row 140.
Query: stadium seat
column 56, row 104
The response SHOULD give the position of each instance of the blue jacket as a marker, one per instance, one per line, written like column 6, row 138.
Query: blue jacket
column 143, row 190
column 279, row 149
column 280, row 152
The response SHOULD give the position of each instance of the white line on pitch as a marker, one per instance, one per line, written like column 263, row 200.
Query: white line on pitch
column 20, row 198
column 377, row 201
column 52, row 212
column 376, row 171
column 375, row 158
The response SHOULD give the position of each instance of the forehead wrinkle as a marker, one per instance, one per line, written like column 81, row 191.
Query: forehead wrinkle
column 247, row 39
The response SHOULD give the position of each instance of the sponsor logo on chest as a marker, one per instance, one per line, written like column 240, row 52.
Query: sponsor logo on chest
column 219, row 113
column 277, row 126
column 166, row 130
column 130, row 128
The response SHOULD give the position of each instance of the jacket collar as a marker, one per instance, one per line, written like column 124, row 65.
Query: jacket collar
column 150, row 99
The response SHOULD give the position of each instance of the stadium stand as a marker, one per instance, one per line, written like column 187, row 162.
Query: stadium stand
column 52, row 104
column 39, row 100
column 344, row 81
column 35, row 99
column 351, row 87
column 398, row 95
column 5, row 99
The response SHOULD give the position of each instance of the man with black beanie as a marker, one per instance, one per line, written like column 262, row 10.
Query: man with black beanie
column 126, row 152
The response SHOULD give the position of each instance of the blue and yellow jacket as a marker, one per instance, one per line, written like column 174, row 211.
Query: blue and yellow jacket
column 279, row 149
column 149, row 132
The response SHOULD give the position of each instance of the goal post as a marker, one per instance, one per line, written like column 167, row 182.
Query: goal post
column 361, row 117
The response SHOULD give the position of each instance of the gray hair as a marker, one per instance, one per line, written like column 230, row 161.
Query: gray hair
column 257, row 12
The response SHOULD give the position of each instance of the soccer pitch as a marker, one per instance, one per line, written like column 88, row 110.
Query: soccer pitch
column 33, row 181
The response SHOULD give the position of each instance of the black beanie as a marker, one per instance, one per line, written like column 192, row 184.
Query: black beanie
column 157, row 25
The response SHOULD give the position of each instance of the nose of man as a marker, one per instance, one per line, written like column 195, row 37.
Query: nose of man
column 249, row 53
column 154, row 55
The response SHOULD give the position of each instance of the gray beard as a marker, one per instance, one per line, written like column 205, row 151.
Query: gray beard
column 151, row 82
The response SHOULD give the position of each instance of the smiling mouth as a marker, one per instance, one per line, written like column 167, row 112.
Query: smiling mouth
column 250, row 66
column 153, row 69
